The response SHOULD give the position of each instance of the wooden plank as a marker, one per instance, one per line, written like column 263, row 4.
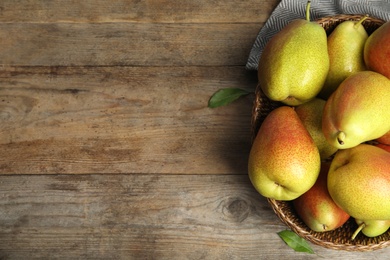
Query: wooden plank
column 122, row 120
column 154, row 11
column 126, row 44
column 142, row 217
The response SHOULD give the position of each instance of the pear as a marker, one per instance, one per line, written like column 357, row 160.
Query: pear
column 371, row 228
column 317, row 209
column 384, row 139
column 383, row 146
column 358, row 111
column 377, row 50
column 345, row 48
column 284, row 161
column 359, row 182
column 295, row 62
column 310, row 114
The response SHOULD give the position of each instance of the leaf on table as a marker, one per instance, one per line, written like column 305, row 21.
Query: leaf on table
column 225, row 96
column 295, row 242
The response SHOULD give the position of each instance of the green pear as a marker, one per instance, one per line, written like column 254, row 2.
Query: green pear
column 358, row 111
column 310, row 114
column 317, row 209
column 295, row 62
column 284, row 161
column 371, row 228
column 377, row 50
column 359, row 182
column 345, row 48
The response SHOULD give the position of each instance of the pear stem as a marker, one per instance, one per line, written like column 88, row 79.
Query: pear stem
column 360, row 21
column 308, row 11
column 361, row 226
column 341, row 137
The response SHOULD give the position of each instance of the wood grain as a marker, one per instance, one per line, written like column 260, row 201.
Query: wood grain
column 141, row 217
column 107, row 147
column 149, row 11
column 125, row 44
column 123, row 120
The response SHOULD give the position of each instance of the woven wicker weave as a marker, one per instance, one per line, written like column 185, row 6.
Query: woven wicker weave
column 339, row 239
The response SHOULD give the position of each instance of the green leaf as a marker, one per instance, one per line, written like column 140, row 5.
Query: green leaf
column 295, row 242
column 225, row 96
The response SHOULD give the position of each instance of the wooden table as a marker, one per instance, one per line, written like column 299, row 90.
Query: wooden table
column 108, row 148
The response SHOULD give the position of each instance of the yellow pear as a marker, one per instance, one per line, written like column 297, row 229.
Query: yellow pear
column 359, row 182
column 310, row 114
column 371, row 228
column 295, row 62
column 358, row 111
column 346, row 48
column 284, row 161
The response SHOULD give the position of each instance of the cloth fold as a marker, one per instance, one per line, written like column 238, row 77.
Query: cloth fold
column 288, row 10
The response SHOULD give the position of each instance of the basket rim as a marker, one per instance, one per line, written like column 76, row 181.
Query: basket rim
column 309, row 235
column 344, row 17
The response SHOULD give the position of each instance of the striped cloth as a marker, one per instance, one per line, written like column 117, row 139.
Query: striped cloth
column 288, row 10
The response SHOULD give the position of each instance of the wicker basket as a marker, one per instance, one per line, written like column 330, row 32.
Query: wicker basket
column 340, row 238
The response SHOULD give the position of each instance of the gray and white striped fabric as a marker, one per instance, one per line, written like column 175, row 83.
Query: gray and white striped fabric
column 288, row 10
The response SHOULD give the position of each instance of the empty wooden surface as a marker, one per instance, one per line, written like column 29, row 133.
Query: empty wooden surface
column 107, row 147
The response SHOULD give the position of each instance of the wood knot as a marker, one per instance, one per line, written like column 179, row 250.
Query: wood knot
column 14, row 109
column 237, row 209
